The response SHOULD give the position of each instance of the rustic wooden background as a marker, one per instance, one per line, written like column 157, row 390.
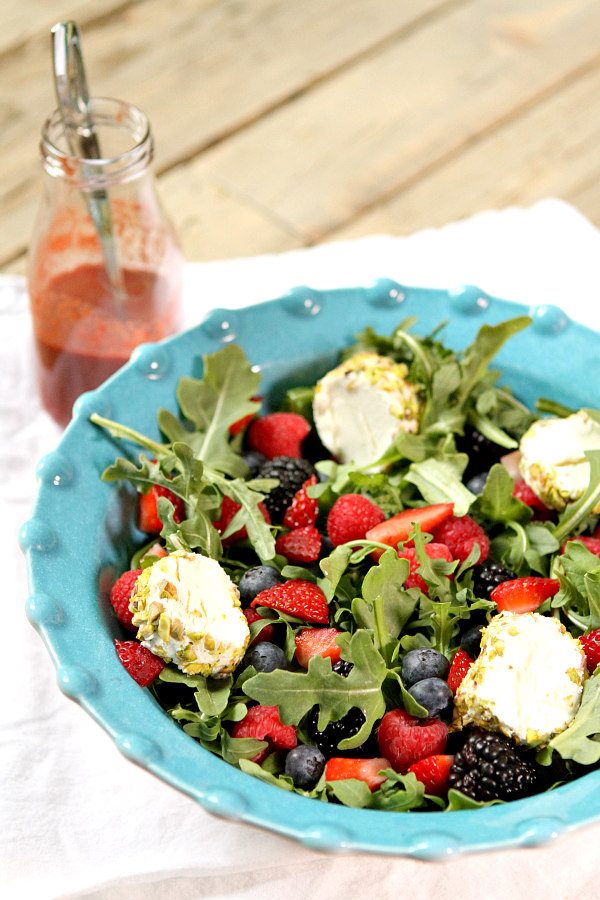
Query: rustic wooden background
column 282, row 123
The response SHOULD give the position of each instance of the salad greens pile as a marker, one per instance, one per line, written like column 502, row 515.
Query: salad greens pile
column 200, row 462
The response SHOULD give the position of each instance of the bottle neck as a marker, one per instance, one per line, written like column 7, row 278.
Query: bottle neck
column 125, row 141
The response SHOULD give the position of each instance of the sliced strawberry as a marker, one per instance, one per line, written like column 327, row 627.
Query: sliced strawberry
column 433, row 551
column 591, row 647
column 141, row 663
column 244, row 421
column 523, row 595
column 148, row 518
column 592, row 544
column 398, row 528
column 351, row 517
column 433, row 772
column 460, row 534
column 339, row 768
column 461, row 664
column 278, row 434
column 265, row 634
column 404, row 739
column 120, row 595
column 303, row 510
column 302, row 545
column 317, row 642
column 298, row 598
column 264, row 724
column 228, row 510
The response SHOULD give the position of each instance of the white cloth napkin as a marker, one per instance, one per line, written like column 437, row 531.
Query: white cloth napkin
column 76, row 818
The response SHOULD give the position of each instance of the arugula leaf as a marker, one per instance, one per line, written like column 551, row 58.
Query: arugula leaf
column 577, row 512
column 385, row 607
column 479, row 354
column 439, row 482
column 578, row 572
column 296, row 693
column 252, row 768
column 497, row 503
column 351, row 792
column 577, row 741
column 457, row 800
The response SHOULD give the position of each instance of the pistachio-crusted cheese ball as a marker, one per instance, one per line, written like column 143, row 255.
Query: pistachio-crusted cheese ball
column 187, row 611
column 527, row 681
column 553, row 459
column 360, row 407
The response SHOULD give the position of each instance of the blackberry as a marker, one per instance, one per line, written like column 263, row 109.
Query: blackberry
column 342, row 667
column 254, row 460
column 482, row 452
column 487, row 577
column 328, row 740
column 292, row 473
column 491, row 767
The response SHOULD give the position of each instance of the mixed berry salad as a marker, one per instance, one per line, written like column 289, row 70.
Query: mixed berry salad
column 384, row 593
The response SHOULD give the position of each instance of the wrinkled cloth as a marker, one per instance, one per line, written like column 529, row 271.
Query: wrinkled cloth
column 76, row 818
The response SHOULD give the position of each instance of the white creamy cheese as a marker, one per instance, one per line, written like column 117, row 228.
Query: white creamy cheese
column 187, row 610
column 552, row 457
column 527, row 681
column 360, row 407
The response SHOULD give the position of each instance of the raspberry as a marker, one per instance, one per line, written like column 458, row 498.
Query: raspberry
column 228, row 510
column 141, row 663
column 350, row 517
column 120, row 595
column 404, row 739
column 461, row 664
column 433, row 551
column 264, row 724
column 433, row 772
column 526, row 495
column 302, row 545
column 303, row 510
column 460, row 534
column 278, row 434
column 592, row 544
column 298, row 598
column 591, row 647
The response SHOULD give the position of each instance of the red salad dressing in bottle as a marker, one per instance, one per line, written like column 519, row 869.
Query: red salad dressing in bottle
column 84, row 329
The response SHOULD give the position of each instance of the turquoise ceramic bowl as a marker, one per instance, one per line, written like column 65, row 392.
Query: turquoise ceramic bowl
column 82, row 533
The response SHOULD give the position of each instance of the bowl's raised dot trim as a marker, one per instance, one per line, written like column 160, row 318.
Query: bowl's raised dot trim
column 386, row 293
column 469, row 300
column 327, row 837
column 151, row 361
column 225, row 802
column 222, row 325
column 44, row 610
column 91, row 402
column 539, row 830
column 38, row 536
column 54, row 469
column 549, row 320
column 76, row 682
column 435, row 845
column 304, row 302
column 139, row 748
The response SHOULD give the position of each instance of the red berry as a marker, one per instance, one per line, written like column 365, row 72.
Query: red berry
column 120, row 595
column 302, row 545
column 398, row 528
column 242, row 423
column 404, row 739
column 298, row 598
column 461, row 664
column 265, row 634
column 433, row 772
column 339, row 768
column 278, row 434
column 228, row 510
column 527, row 495
column 433, row 551
column 141, row 663
column 523, row 595
column 317, row 642
column 350, row 517
column 591, row 647
column 264, row 724
column 148, row 518
column 460, row 534
column 592, row 543
column 303, row 510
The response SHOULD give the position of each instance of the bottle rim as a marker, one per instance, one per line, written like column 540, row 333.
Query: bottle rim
column 87, row 173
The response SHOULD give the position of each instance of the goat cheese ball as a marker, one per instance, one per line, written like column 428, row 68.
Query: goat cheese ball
column 187, row 611
column 527, row 681
column 553, row 459
column 361, row 406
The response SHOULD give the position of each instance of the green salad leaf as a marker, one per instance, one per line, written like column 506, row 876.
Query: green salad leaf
column 579, row 741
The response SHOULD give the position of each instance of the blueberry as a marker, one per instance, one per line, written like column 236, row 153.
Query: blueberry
column 471, row 641
column 304, row 764
column 254, row 460
column 434, row 694
column 255, row 580
column 423, row 663
column 477, row 483
column 266, row 657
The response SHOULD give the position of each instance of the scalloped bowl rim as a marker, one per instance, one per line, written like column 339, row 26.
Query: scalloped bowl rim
column 64, row 561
